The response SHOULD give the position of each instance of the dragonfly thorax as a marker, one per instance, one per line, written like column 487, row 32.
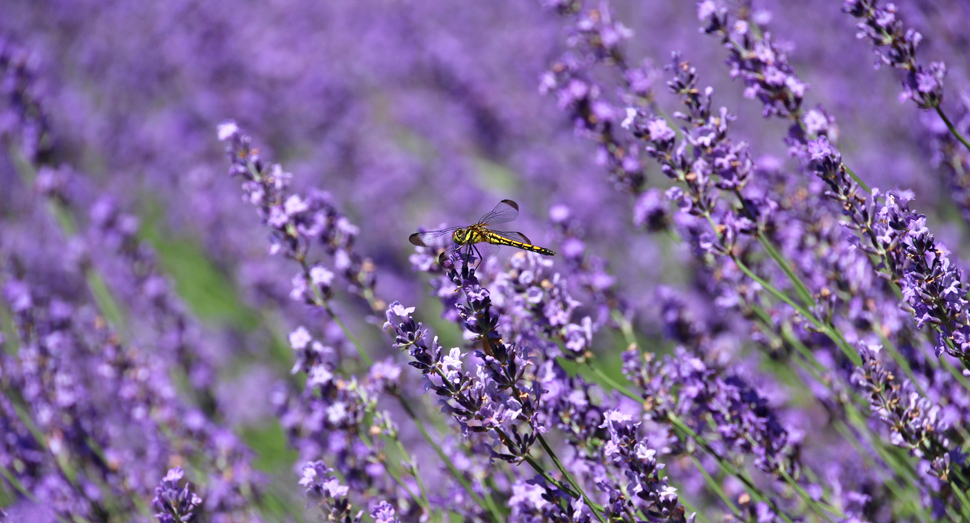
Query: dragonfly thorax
column 468, row 235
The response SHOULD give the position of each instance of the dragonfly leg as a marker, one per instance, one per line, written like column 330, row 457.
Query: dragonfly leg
column 479, row 253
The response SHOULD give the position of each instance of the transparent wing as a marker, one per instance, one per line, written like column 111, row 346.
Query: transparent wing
column 504, row 212
column 487, row 250
column 439, row 238
column 514, row 236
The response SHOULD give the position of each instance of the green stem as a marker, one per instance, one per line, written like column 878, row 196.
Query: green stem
column 809, row 362
column 898, row 464
column 353, row 340
column 12, row 480
column 489, row 503
column 898, row 357
column 417, row 478
column 716, row 487
column 800, row 288
column 65, row 220
column 814, row 505
column 964, row 502
column 749, row 485
column 823, row 327
column 952, row 128
column 536, row 466
column 63, row 460
column 569, row 478
column 625, row 328
column 724, row 464
column 862, row 183
column 816, row 371
column 363, row 436
column 613, row 384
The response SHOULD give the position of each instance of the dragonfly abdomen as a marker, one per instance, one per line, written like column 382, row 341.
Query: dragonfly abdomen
column 501, row 240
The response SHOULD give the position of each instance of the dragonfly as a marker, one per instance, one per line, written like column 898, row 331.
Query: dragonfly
column 479, row 238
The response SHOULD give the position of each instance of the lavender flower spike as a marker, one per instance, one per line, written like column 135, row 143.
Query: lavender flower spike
column 931, row 284
column 325, row 490
column 493, row 399
column 896, row 46
column 298, row 222
column 174, row 504
column 650, row 493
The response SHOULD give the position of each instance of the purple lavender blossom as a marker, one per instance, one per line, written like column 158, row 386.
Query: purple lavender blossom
column 913, row 420
column 490, row 400
column 298, row 222
column 23, row 120
column 651, row 212
column 654, row 495
column 327, row 492
column 384, row 513
column 175, row 504
column 930, row 284
column 86, row 393
column 896, row 45
column 444, row 375
column 881, row 25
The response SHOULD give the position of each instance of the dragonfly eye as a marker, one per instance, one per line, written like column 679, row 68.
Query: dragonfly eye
column 459, row 236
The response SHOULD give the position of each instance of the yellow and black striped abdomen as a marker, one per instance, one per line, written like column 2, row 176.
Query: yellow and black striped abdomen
column 493, row 238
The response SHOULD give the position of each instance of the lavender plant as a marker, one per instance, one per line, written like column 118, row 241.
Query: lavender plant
column 757, row 312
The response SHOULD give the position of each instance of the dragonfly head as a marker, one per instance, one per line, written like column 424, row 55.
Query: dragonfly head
column 460, row 236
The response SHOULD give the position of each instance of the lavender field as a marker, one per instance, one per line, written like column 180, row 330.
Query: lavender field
column 210, row 310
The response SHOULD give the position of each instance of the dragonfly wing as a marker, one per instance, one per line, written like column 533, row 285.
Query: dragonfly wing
column 440, row 238
column 487, row 250
column 504, row 212
column 514, row 236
